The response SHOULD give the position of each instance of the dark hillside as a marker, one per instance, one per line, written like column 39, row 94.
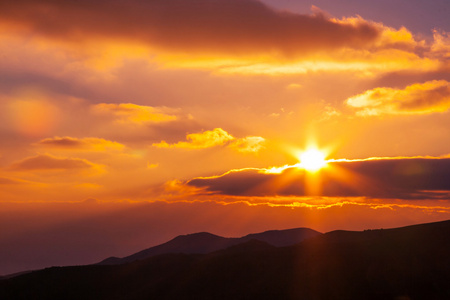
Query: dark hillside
column 204, row 242
column 404, row 263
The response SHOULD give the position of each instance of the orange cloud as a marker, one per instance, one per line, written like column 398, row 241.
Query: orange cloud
column 388, row 37
column 248, row 144
column 206, row 139
column 45, row 162
column 392, row 50
column 217, row 137
column 420, row 98
column 234, row 26
column 228, row 37
column 137, row 114
column 441, row 45
column 84, row 144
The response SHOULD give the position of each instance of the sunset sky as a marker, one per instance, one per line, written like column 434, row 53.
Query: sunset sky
column 126, row 123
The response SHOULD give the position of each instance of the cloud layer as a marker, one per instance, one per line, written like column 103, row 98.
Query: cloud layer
column 83, row 144
column 402, row 178
column 236, row 26
column 133, row 113
column 47, row 162
column 216, row 137
column 420, row 98
column 205, row 139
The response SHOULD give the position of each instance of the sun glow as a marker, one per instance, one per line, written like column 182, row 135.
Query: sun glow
column 312, row 160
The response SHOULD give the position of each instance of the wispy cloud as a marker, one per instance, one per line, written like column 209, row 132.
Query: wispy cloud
column 80, row 144
column 137, row 114
column 248, row 144
column 205, row 139
column 216, row 137
column 46, row 162
column 420, row 98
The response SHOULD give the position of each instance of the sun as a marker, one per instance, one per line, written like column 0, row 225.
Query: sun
column 312, row 160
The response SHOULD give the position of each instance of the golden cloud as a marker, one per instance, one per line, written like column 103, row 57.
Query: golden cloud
column 420, row 98
column 388, row 37
column 248, row 144
column 441, row 45
column 206, row 139
column 217, row 137
column 136, row 114
column 84, row 144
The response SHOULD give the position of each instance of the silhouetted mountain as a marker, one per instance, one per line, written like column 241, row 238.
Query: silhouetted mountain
column 202, row 242
column 249, row 246
column 205, row 242
column 404, row 263
column 281, row 238
column 14, row 274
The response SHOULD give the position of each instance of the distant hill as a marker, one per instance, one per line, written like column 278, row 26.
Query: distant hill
column 403, row 263
column 281, row 238
column 205, row 242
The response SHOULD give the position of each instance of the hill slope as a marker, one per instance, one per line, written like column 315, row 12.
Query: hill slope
column 204, row 242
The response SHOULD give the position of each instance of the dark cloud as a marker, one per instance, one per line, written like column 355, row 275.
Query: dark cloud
column 233, row 26
column 83, row 144
column 64, row 142
column 400, row 79
column 48, row 162
column 403, row 178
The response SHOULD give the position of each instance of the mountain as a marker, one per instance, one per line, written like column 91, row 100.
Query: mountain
column 205, row 242
column 281, row 238
column 403, row 263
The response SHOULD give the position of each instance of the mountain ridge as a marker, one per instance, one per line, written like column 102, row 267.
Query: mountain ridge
column 409, row 262
column 205, row 242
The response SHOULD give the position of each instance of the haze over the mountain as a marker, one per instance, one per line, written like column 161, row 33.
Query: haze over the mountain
column 401, row 263
column 204, row 242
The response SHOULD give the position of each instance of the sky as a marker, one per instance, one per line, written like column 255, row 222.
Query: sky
column 127, row 123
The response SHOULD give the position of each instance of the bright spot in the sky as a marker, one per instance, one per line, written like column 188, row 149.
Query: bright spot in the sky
column 312, row 160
